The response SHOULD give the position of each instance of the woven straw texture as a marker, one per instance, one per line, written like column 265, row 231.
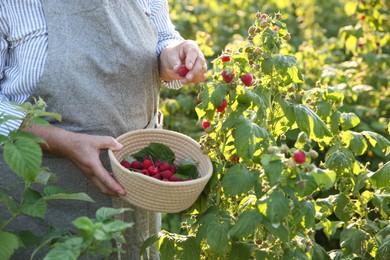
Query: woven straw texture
column 156, row 195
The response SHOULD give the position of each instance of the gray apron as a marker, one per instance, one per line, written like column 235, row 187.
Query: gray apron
column 101, row 75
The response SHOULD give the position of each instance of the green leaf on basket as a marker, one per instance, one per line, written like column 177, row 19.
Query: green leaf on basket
column 187, row 169
column 156, row 151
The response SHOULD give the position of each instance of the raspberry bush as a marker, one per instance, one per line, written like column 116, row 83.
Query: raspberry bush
column 287, row 171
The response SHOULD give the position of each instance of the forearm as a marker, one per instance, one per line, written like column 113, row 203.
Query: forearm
column 57, row 140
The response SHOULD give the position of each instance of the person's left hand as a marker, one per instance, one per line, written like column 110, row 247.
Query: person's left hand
column 187, row 53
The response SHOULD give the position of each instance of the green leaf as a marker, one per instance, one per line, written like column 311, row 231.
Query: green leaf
column 273, row 170
column 319, row 253
column 83, row 223
column 384, row 249
column 342, row 207
column 267, row 66
column 217, row 238
column 148, row 242
column 116, row 226
column 156, row 151
column 105, row 213
column 348, row 121
column 69, row 196
column 246, row 224
column 381, row 178
column 8, row 202
column 24, row 157
column 324, row 178
column 70, row 249
column 309, row 213
column 238, row 180
column 7, row 249
column 278, row 230
column 355, row 142
column 167, row 249
column 353, row 240
column 187, row 169
column 287, row 67
column 33, row 204
column 277, row 207
column 376, row 139
column 311, row 124
column 239, row 251
column 191, row 249
column 247, row 137
column 339, row 160
column 330, row 228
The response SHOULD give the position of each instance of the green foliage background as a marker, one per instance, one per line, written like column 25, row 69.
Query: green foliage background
column 340, row 44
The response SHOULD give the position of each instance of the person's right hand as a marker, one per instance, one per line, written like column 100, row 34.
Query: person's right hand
column 83, row 150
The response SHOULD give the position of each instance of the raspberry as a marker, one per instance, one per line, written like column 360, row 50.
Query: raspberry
column 165, row 167
column 174, row 178
column 276, row 28
column 136, row 165
column 173, row 168
column 263, row 16
column 166, row 174
column 247, row 79
column 147, row 163
column 225, row 58
column 222, row 107
column 125, row 164
column 182, row 71
column 227, row 77
column 153, row 170
column 205, row 124
column 299, row 157
column 145, row 171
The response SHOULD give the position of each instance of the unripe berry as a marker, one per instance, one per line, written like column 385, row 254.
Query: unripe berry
column 313, row 154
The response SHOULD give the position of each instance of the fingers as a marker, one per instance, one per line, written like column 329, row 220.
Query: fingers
column 193, row 58
column 86, row 155
column 105, row 182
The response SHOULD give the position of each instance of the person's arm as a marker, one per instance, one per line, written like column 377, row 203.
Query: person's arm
column 83, row 150
column 173, row 50
column 22, row 55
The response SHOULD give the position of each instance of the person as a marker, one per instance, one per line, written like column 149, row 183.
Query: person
column 100, row 64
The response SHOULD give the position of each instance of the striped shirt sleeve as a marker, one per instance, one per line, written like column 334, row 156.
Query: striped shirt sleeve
column 23, row 50
column 167, row 33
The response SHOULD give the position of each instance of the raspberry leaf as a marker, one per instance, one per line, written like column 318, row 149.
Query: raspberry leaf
column 156, row 151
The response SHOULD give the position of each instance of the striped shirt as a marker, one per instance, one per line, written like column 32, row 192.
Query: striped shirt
column 23, row 50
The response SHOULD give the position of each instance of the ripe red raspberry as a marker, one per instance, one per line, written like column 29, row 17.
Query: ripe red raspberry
column 166, row 174
column 174, row 178
column 147, row 163
column 173, row 168
column 222, row 107
column 136, row 165
column 205, row 124
column 299, row 157
column 182, row 71
column 227, row 77
column 125, row 164
column 165, row 167
column 247, row 79
column 225, row 58
column 145, row 171
column 153, row 170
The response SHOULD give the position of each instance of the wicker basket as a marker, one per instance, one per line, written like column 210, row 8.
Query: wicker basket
column 153, row 194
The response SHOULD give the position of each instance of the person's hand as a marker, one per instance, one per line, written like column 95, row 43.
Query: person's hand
column 83, row 150
column 185, row 53
column 84, row 153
